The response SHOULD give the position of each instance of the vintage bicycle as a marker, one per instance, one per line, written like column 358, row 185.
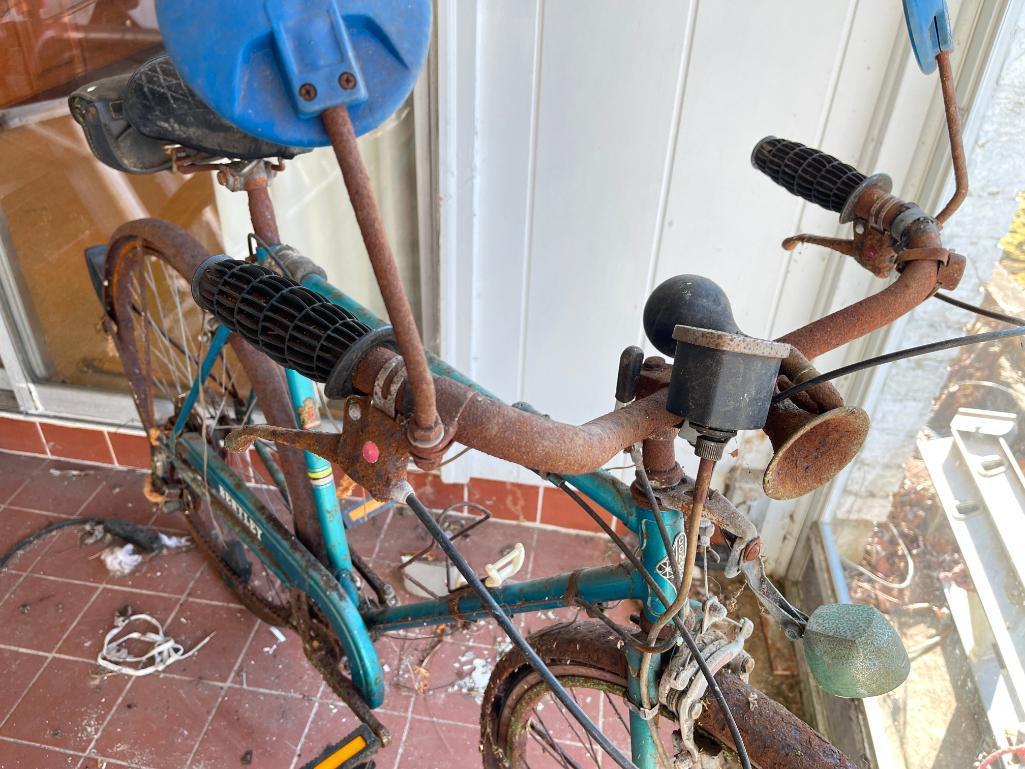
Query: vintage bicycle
column 222, row 354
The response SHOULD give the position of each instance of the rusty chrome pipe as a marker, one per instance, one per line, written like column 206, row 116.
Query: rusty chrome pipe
column 525, row 438
column 773, row 736
column 957, row 155
column 912, row 287
column 543, row 444
column 261, row 211
column 426, row 429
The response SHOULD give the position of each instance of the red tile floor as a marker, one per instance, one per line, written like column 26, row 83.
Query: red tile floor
column 245, row 698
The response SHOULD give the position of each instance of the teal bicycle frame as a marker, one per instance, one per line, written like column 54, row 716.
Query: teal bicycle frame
column 332, row 587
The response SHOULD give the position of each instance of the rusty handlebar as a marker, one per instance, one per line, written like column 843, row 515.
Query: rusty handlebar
column 523, row 437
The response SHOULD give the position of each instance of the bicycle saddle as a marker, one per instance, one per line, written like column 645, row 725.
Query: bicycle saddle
column 128, row 119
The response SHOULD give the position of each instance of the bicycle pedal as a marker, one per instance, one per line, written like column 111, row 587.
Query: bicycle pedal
column 357, row 749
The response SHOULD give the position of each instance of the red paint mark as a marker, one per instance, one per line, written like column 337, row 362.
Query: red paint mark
column 370, row 452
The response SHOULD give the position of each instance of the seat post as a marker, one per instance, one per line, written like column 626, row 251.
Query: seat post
column 253, row 177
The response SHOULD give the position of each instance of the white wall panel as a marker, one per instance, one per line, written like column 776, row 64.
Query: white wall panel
column 610, row 150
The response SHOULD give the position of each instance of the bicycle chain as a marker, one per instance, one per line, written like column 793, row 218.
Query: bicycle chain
column 278, row 616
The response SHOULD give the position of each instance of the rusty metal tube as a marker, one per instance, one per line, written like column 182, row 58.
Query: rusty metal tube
column 261, row 211
column 774, row 737
column 427, row 430
column 543, row 444
column 957, row 156
column 527, row 438
column 914, row 286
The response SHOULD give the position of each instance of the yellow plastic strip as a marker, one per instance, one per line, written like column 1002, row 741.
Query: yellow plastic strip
column 365, row 509
column 343, row 754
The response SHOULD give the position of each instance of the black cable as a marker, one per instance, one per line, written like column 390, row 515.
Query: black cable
column 626, row 638
column 890, row 357
column 663, row 532
column 506, row 624
column 713, row 685
column 44, row 532
column 993, row 314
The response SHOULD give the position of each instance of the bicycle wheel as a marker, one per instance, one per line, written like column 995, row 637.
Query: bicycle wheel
column 162, row 336
column 523, row 726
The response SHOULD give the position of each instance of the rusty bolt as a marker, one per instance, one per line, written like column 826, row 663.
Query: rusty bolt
column 753, row 550
column 308, row 91
column 347, row 80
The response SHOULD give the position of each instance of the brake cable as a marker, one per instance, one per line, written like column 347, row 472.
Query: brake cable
column 713, row 685
column 890, row 357
column 506, row 624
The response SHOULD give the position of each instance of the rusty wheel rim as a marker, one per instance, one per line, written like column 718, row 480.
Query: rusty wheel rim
column 162, row 336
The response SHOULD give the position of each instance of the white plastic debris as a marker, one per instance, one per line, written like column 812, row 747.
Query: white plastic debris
column 476, row 680
column 121, row 560
column 176, row 543
column 163, row 650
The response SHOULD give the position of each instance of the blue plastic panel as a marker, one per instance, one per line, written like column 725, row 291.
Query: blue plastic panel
column 929, row 28
column 272, row 66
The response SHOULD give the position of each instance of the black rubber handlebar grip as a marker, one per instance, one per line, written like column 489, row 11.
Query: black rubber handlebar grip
column 807, row 172
column 294, row 326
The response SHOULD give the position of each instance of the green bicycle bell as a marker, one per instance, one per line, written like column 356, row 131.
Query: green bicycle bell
column 853, row 651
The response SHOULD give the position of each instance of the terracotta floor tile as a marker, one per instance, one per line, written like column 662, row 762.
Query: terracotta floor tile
column 556, row 552
column 280, row 666
column 216, row 660
column 60, row 487
column 364, row 537
column 15, row 525
column 86, row 637
column 266, row 727
column 8, row 581
column 16, row 469
column 210, row 586
column 332, row 722
column 65, row 556
column 17, row 669
column 404, row 534
column 431, row 745
column 170, row 572
column 77, row 443
column 122, row 497
column 39, row 611
column 66, row 706
column 158, row 722
column 509, row 501
column 451, row 693
column 559, row 509
column 433, row 492
column 18, row 756
column 130, row 449
column 21, row 435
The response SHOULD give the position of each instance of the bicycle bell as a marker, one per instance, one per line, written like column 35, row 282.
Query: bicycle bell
column 722, row 379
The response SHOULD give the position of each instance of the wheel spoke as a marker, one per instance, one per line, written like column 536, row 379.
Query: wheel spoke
column 544, row 738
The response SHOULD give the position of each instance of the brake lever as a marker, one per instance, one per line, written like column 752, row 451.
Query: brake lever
column 371, row 448
column 869, row 247
column 789, row 617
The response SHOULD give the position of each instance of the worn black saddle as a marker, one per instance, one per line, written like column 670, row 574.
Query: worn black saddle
column 129, row 119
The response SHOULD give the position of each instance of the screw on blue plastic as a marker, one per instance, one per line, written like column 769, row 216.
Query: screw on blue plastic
column 272, row 66
column 929, row 27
